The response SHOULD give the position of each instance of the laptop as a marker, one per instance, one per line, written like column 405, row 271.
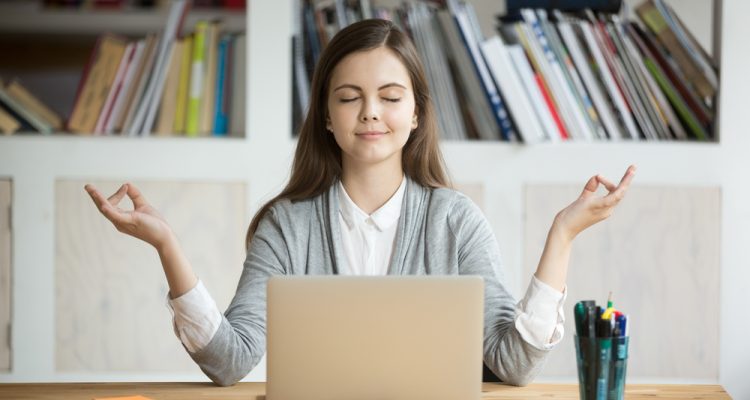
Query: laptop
column 384, row 337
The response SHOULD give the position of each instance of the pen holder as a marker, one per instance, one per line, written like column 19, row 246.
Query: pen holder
column 602, row 366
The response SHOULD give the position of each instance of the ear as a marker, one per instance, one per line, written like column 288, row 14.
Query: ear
column 414, row 122
column 329, row 126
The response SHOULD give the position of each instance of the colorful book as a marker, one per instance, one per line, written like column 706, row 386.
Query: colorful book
column 197, row 77
column 184, row 85
column 220, row 103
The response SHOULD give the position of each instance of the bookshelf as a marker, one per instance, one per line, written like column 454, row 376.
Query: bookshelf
column 262, row 159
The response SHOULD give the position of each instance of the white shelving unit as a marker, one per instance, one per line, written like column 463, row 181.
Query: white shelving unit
column 263, row 159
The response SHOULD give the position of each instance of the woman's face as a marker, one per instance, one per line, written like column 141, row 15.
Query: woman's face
column 371, row 108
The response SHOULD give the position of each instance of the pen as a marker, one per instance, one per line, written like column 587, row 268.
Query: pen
column 578, row 313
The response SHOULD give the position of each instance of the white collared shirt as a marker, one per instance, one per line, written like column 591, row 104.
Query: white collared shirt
column 368, row 239
column 368, row 246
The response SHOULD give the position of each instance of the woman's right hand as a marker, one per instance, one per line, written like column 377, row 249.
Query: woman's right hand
column 143, row 222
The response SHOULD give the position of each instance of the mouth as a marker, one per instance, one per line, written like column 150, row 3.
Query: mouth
column 370, row 134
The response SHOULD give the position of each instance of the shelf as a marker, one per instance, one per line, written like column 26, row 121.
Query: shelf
column 88, row 22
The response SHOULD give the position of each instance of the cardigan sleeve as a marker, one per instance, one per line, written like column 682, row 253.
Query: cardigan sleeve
column 240, row 341
column 514, row 360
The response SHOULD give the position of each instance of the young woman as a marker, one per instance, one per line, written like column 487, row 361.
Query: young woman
column 368, row 194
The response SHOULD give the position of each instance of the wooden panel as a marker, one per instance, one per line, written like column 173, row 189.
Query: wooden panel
column 110, row 307
column 659, row 254
column 5, row 280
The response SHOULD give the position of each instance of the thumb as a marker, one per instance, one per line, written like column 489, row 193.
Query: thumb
column 590, row 187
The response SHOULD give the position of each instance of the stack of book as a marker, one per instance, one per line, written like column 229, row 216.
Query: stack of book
column 581, row 73
column 21, row 111
column 164, row 84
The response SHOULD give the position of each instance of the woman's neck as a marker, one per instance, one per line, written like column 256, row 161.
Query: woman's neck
column 371, row 187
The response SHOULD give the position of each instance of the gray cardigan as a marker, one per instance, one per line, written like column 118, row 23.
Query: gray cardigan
column 440, row 231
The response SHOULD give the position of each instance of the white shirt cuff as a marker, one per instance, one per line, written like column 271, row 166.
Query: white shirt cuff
column 195, row 317
column 540, row 315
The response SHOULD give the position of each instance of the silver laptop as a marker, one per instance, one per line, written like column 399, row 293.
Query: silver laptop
column 387, row 337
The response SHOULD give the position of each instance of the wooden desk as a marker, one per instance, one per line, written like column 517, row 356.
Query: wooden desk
column 248, row 391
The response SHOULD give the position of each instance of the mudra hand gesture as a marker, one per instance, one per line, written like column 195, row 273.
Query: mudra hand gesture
column 589, row 208
column 143, row 222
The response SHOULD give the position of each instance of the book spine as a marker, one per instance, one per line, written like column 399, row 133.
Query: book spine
column 220, row 115
column 192, row 125
column 182, row 90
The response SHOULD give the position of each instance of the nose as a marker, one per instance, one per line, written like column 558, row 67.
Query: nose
column 369, row 112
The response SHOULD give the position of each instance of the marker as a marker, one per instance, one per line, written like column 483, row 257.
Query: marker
column 609, row 309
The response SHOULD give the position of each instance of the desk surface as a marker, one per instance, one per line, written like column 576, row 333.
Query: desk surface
column 250, row 390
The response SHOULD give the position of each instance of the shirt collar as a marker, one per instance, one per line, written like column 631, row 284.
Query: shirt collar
column 383, row 218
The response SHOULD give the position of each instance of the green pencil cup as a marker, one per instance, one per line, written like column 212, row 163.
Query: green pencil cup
column 602, row 366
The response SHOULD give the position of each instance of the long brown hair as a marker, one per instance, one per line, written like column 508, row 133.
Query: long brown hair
column 317, row 159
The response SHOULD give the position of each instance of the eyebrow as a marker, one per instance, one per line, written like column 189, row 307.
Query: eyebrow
column 355, row 87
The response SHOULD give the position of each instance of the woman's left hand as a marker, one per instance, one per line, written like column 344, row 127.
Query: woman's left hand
column 589, row 208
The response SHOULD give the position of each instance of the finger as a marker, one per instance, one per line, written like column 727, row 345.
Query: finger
column 590, row 187
column 109, row 211
column 627, row 177
column 117, row 217
column 619, row 193
column 136, row 196
column 115, row 198
column 94, row 194
column 607, row 184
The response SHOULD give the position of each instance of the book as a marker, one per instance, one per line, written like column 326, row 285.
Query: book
column 118, row 109
column 500, row 111
column 676, row 78
column 604, row 73
column 428, row 41
column 623, row 80
column 21, row 113
column 501, row 67
column 114, row 90
column 572, row 76
column 527, row 78
column 144, row 118
column 96, row 82
column 27, row 100
column 479, row 109
column 691, row 46
column 610, row 6
column 655, row 21
column 675, row 127
column 184, row 85
column 595, row 90
column 197, row 78
column 638, row 82
column 8, row 124
column 134, row 97
column 548, row 79
column 222, row 88
column 556, row 76
column 238, row 111
column 168, row 105
column 679, row 104
column 208, row 103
